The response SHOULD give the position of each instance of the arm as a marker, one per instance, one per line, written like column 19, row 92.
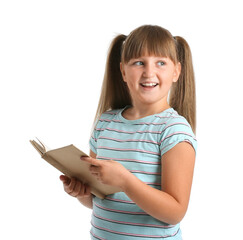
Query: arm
column 169, row 204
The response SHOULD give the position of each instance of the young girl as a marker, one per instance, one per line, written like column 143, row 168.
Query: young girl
column 142, row 143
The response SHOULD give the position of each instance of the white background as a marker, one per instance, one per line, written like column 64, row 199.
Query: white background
column 52, row 58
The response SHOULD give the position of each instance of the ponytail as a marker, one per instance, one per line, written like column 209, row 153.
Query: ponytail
column 183, row 94
column 114, row 92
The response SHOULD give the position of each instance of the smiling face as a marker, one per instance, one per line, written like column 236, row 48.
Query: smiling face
column 149, row 79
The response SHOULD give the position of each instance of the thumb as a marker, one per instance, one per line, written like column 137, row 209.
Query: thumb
column 66, row 180
column 92, row 161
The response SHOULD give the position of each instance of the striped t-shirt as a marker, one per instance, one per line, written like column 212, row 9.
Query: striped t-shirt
column 138, row 145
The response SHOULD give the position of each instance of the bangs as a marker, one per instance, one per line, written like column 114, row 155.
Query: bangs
column 151, row 41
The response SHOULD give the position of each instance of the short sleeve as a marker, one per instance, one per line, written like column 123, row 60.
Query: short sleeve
column 93, row 141
column 176, row 130
column 100, row 125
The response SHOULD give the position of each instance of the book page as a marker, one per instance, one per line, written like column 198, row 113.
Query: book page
column 38, row 147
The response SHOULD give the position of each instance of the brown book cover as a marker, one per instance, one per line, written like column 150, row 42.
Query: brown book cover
column 67, row 160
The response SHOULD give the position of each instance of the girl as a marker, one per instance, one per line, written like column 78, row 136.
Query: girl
column 142, row 143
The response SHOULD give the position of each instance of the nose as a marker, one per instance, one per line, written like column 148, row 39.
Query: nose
column 149, row 71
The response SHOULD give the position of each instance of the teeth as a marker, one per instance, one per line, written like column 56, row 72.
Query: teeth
column 149, row 84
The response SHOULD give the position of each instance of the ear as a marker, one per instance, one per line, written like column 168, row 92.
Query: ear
column 122, row 71
column 177, row 72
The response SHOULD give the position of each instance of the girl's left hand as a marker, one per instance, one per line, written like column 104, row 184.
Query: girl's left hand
column 108, row 171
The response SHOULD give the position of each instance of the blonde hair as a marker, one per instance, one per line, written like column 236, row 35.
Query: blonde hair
column 151, row 40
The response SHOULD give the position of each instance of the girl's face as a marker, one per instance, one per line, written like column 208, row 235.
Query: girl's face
column 149, row 79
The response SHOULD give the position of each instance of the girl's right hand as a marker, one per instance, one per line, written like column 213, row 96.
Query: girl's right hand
column 75, row 188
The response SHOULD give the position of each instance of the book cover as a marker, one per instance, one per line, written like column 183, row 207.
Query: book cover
column 67, row 160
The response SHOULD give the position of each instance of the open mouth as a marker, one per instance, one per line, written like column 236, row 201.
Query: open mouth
column 149, row 85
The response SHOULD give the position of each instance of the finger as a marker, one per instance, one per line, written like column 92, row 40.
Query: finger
column 70, row 187
column 77, row 189
column 87, row 191
column 82, row 190
column 90, row 160
column 66, row 180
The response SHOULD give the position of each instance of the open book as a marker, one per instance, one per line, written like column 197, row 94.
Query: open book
column 67, row 160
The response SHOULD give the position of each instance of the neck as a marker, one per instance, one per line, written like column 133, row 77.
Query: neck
column 141, row 111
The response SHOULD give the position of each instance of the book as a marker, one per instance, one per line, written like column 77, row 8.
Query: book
column 67, row 160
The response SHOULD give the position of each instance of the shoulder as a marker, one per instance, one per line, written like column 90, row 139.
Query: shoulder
column 110, row 116
column 176, row 122
column 110, row 113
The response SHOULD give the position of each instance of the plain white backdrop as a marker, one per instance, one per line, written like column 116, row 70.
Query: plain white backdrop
column 52, row 59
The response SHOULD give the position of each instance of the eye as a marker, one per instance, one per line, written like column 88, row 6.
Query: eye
column 161, row 63
column 138, row 63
